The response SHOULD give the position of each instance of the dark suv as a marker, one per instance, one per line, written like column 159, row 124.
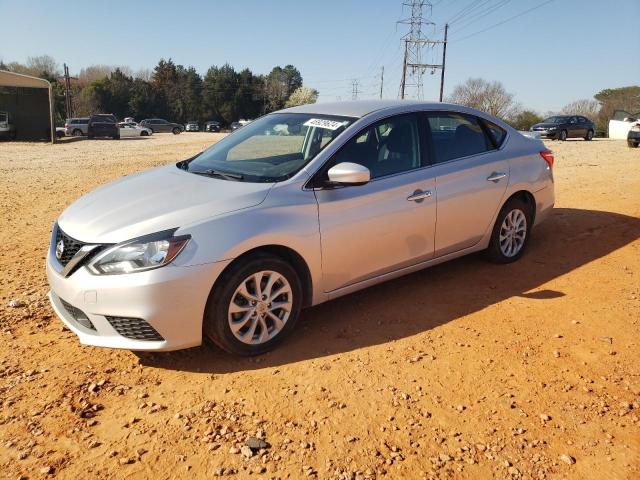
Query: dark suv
column 158, row 125
column 103, row 125
column 561, row 127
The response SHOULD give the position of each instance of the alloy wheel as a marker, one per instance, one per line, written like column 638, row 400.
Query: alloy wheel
column 513, row 232
column 260, row 307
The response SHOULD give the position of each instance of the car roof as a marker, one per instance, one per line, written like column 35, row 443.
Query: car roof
column 360, row 108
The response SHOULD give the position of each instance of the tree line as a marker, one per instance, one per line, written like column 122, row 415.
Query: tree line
column 493, row 98
column 172, row 91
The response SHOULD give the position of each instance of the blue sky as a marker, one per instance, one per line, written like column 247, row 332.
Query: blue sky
column 560, row 52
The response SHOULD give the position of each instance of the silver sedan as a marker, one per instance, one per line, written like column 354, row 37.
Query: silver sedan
column 297, row 208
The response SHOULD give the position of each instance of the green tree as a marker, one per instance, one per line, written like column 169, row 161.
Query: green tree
column 524, row 120
column 219, row 90
column 302, row 96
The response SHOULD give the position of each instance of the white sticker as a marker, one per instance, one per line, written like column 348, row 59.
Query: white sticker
column 322, row 123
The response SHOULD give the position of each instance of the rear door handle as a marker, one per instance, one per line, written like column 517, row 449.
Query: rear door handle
column 495, row 177
column 419, row 195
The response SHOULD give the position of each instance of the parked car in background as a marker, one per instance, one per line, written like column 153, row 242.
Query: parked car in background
column 76, row 127
column 7, row 128
column 103, row 125
column 633, row 137
column 130, row 120
column 159, row 125
column 232, row 243
column 235, row 126
column 132, row 129
column 192, row 126
column 212, row 126
column 621, row 123
column 561, row 127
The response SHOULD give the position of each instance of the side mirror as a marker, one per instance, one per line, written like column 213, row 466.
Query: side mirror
column 347, row 173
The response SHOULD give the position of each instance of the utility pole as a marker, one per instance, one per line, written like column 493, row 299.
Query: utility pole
column 381, row 81
column 444, row 59
column 404, row 72
column 415, row 41
column 67, row 92
column 354, row 89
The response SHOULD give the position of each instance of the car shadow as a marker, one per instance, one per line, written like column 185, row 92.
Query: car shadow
column 426, row 299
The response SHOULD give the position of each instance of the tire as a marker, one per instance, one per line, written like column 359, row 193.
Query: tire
column 176, row 131
column 218, row 318
column 631, row 144
column 498, row 253
column 563, row 135
column 144, row 133
column 589, row 136
column 77, row 133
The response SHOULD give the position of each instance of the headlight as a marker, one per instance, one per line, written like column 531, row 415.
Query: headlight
column 140, row 254
column 552, row 128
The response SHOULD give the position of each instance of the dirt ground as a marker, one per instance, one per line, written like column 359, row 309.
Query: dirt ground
column 464, row 370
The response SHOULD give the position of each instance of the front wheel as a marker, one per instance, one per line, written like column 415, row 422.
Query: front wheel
column 77, row 132
column 511, row 232
column 632, row 144
column 563, row 135
column 176, row 131
column 254, row 305
column 589, row 135
column 144, row 133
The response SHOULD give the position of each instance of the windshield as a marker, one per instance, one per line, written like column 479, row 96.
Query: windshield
column 556, row 120
column 270, row 149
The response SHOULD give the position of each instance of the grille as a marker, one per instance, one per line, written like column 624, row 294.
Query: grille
column 71, row 246
column 134, row 328
column 78, row 315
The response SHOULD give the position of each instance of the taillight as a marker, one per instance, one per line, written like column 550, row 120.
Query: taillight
column 548, row 157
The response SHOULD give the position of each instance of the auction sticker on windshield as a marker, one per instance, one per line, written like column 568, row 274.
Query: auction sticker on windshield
column 322, row 123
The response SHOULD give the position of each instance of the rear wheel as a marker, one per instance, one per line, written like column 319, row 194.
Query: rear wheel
column 589, row 135
column 254, row 305
column 77, row 132
column 632, row 144
column 511, row 232
column 144, row 133
column 176, row 131
column 563, row 135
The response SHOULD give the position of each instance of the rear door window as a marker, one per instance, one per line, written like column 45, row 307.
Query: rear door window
column 456, row 135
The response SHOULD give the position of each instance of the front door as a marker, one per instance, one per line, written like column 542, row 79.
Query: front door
column 386, row 224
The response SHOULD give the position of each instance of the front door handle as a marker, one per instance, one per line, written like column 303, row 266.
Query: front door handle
column 419, row 196
column 495, row 177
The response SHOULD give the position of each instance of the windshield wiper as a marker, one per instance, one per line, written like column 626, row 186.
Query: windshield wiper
column 218, row 173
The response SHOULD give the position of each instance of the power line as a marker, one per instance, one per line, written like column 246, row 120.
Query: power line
column 354, row 89
column 503, row 22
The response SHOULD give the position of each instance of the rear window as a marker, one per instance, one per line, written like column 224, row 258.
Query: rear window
column 104, row 118
column 497, row 133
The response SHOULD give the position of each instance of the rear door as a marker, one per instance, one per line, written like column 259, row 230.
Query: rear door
column 471, row 174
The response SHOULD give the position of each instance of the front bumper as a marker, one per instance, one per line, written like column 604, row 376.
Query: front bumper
column 546, row 133
column 170, row 299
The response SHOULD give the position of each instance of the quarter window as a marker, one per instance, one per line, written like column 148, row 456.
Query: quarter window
column 496, row 132
column 456, row 135
column 387, row 147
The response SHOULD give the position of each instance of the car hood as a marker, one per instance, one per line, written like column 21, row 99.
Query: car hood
column 545, row 125
column 155, row 200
